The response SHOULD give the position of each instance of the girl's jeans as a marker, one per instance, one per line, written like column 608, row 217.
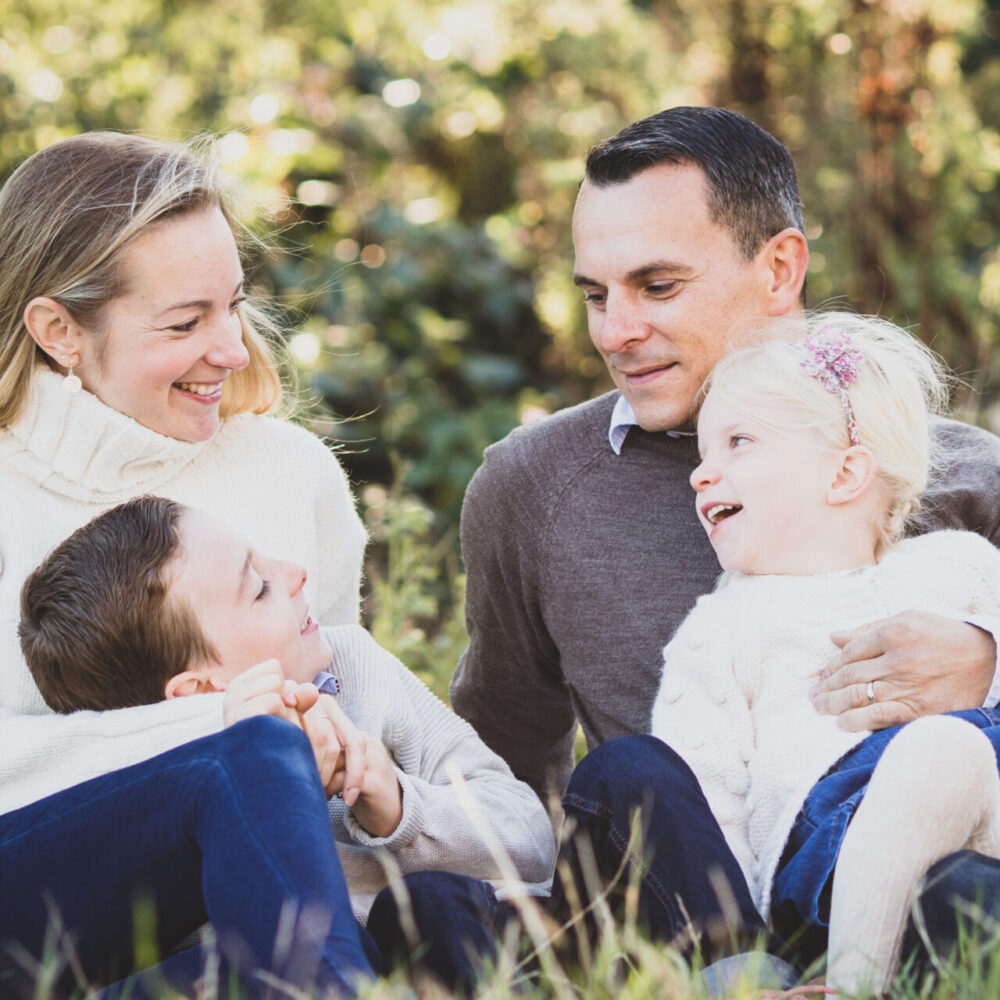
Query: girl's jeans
column 804, row 880
column 232, row 828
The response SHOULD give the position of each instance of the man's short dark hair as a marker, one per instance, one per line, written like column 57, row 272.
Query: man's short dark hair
column 97, row 628
column 752, row 187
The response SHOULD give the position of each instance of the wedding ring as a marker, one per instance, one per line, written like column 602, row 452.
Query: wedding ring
column 870, row 691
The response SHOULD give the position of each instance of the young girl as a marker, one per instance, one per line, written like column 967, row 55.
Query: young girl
column 152, row 601
column 814, row 453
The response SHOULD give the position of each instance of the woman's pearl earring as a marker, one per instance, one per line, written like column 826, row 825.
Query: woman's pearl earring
column 71, row 383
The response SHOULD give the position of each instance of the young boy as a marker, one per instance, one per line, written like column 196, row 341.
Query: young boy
column 152, row 600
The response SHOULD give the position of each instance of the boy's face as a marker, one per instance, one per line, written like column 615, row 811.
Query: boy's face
column 250, row 607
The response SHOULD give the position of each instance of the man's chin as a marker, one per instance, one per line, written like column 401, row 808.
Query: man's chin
column 653, row 418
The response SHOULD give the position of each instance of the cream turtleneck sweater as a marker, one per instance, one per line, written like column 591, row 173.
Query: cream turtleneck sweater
column 67, row 458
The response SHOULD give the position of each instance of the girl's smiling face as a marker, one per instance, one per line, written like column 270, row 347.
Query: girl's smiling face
column 762, row 492
column 167, row 345
column 250, row 607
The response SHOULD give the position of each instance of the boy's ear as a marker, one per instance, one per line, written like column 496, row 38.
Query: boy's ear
column 190, row 682
column 853, row 476
column 53, row 329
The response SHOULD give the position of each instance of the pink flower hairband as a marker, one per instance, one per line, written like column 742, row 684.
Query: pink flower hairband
column 832, row 357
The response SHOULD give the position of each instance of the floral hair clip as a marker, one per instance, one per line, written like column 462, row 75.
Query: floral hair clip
column 832, row 357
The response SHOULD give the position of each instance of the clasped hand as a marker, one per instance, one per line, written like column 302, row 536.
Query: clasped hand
column 351, row 763
column 918, row 663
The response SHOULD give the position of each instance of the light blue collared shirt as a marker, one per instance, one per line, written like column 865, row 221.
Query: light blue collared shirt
column 623, row 420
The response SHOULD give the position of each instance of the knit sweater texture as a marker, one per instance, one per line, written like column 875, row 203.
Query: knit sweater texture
column 435, row 752
column 581, row 564
column 734, row 696
column 67, row 458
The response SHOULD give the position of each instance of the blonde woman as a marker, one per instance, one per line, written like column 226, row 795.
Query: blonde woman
column 132, row 362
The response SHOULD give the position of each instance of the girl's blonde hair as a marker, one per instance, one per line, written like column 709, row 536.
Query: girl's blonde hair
column 900, row 384
column 67, row 217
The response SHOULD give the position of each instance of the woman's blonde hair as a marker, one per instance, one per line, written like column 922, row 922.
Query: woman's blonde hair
column 900, row 384
column 67, row 217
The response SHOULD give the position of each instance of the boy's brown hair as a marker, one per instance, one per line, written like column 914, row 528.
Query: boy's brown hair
column 98, row 627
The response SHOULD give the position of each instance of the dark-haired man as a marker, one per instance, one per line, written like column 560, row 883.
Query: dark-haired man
column 579, row 532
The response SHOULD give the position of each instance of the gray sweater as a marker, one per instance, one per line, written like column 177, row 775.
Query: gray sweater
column 582, row 563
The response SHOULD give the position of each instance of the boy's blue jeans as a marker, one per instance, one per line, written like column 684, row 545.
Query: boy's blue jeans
column 678, row 869
column 232, row 828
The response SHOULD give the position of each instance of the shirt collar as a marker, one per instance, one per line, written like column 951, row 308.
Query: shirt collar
column 623, row 420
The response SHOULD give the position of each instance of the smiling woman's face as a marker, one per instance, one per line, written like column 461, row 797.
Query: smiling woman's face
column 167, row 345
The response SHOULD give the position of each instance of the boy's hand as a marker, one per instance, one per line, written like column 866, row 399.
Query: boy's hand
column 263, row 690
column 364, row 774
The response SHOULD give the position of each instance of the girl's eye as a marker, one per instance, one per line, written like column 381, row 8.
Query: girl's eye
column 236, row 303
column 738, row 440
column 265, row 589
column 185, row 327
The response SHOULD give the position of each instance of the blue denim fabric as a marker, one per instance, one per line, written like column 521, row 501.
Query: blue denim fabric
column 804, row 880
column 458, row 922
column 232, row 828
column 684, row 852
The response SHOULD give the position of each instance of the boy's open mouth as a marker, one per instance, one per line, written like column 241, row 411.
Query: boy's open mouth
column 720, row 511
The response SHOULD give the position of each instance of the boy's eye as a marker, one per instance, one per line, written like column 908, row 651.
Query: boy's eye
column 738, row 440
column 265, row 589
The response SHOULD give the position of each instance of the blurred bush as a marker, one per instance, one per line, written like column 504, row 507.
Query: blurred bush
column 419, row 160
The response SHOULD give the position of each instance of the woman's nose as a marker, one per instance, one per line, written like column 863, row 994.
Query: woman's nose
column 227, row 349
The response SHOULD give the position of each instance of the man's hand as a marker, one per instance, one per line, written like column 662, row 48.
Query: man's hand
column 263, row 690
column 919, row 663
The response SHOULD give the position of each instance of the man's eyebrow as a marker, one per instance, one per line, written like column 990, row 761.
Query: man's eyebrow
column 195, row 303
column 640, row 273
column 244, row 577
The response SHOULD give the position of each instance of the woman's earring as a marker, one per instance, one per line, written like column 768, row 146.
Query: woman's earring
column 71, row 383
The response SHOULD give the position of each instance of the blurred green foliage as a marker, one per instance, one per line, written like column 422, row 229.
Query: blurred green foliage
column 420, row 160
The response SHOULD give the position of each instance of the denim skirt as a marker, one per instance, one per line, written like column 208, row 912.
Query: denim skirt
column 803, row 884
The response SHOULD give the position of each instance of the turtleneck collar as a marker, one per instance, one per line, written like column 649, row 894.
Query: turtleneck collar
column 74, row 445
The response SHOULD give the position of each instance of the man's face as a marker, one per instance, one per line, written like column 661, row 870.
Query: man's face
column 666, row 288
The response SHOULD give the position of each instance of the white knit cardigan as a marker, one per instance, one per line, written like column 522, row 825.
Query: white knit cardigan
column 67, row 458
column 734, row 693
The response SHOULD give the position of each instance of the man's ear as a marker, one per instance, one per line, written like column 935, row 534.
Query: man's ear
column 54, row 330
column 853, row 476
column 189, row 682
column 786, row 258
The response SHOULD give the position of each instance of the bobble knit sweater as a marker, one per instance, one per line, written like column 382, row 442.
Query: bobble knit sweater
column 734, row 695
column 67, row 458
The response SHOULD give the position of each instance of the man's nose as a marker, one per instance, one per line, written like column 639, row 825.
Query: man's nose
column 622, row 324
